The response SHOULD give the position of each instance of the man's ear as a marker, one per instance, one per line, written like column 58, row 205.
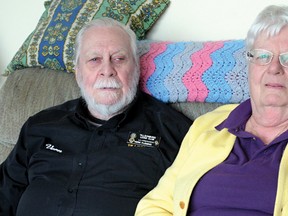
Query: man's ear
column 76, row 69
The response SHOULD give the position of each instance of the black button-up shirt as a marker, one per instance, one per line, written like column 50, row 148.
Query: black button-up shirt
column 65, row 164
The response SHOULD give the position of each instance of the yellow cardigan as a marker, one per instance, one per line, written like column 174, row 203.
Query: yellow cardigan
column 200, row 152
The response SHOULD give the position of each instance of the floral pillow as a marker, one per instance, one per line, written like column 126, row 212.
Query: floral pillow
column 50, row 45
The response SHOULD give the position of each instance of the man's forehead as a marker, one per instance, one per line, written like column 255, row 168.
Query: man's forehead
column 107, row 31
column 100, row 52
column 106, row 37
column 100, row 41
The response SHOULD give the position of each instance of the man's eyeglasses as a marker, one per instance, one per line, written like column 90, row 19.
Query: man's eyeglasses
column 264, row 57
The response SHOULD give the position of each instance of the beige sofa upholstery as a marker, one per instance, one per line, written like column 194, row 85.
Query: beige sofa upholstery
column 27, row 91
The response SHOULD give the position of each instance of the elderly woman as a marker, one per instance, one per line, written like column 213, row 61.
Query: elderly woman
column 233, row 160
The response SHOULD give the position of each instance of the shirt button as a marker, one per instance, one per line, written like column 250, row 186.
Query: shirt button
column 70, row 190
column 182, row 205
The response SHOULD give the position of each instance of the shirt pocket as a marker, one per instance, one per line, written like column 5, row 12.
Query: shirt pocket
column 50, row 165
column 131, row 170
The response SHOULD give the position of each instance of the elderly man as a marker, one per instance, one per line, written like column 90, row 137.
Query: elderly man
column 101, row 153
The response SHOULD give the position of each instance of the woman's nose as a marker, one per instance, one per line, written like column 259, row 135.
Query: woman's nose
column 275, row 66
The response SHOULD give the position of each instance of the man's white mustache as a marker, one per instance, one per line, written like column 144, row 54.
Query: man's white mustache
column 107, row 83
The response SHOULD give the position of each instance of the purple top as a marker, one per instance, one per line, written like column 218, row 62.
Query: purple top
column 245, row 183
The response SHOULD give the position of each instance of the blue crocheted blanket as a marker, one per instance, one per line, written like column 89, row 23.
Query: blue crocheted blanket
column 211, row 71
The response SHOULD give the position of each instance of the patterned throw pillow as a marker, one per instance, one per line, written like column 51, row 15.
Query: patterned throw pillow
column 50, row 45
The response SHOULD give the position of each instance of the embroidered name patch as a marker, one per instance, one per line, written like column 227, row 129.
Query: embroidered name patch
column 52, row 148
column 142, row 140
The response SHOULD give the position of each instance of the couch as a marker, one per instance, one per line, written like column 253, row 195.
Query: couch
column 192, row 77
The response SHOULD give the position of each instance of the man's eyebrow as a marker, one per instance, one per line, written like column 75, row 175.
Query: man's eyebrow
column 124, row 51
column 92, row 52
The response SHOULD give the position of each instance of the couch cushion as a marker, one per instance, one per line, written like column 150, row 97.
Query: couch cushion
column 194, row 109
column 4, row 151
column 51, row 44
column 28, row 91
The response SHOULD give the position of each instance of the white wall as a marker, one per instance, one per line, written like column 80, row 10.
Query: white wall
column 183, row 20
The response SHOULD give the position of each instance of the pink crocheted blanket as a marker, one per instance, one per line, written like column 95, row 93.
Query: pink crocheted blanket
column 212, row 71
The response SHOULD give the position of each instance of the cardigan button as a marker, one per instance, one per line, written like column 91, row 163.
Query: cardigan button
column 182, row 205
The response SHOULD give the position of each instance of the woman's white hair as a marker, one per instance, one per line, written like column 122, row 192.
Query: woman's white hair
column 271, row 20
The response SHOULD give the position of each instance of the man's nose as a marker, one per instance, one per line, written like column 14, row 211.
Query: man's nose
column 108, row 69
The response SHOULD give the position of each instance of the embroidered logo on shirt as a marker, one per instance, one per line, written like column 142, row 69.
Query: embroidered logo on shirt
column 142, row 140
column 52, row 148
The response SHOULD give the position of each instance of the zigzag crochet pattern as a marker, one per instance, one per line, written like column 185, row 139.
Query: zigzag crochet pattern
column 210, row 71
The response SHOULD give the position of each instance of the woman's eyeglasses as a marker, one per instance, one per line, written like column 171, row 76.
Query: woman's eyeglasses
column 264, row 57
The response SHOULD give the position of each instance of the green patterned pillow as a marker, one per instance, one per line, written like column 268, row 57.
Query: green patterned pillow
column 50, row 45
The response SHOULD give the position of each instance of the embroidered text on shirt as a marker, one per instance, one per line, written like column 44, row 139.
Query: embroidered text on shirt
column 51, row 147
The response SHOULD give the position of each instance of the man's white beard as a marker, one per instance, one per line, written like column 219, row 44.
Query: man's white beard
column 107, row 111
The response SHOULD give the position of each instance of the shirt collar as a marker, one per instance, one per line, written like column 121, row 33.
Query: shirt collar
column 238, row 117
